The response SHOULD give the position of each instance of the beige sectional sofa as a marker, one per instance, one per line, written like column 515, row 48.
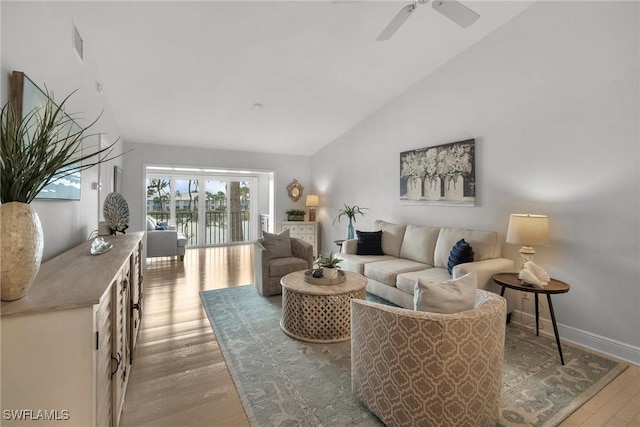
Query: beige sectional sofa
column 412, row 252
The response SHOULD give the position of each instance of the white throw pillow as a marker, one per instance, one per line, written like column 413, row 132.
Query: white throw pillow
column 151, row 223
column 448, row 297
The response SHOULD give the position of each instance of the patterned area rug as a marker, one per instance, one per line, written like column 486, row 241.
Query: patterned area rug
column 286, row 382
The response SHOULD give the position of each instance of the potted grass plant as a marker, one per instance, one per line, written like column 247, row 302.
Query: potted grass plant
column 39, row 147
column 295, row 215
column 329, row 265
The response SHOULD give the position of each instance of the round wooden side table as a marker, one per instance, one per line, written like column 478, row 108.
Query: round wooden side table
column 511, row 281
column 319, row 313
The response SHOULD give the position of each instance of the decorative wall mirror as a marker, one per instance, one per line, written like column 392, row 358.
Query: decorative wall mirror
column 295, row 190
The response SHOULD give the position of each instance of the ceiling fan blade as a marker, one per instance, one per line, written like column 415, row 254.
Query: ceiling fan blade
column 456, row 11
column 396, row 22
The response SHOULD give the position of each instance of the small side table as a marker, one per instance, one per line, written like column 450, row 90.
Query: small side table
column 511, row 281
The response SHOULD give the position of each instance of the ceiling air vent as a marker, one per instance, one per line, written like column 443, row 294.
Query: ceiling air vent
column 77, row 43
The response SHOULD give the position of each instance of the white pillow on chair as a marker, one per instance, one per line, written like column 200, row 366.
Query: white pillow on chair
column 448, row 297
column 151, row 223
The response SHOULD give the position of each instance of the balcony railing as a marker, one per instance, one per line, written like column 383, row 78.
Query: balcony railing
column 217, row 230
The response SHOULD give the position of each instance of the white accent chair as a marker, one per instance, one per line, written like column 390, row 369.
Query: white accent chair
column 161, row 243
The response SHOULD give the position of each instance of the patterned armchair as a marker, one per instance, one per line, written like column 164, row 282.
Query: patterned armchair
column 413, row 368
column 269, row 268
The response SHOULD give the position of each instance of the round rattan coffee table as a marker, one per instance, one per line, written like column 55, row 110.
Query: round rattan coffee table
column 319, row 313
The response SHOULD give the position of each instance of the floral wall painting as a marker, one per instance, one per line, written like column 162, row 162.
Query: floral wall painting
column 440, row 174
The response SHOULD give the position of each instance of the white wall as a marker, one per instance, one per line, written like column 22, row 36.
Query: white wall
column 36, row 39
column 552, row 99
column 285, row 168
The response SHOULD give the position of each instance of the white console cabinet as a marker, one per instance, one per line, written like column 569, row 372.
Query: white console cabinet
column 67, row 345
column 306, row 230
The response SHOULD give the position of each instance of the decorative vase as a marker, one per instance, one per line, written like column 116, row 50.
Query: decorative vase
column 329, row 273
column 350, row 233
column 21, row 247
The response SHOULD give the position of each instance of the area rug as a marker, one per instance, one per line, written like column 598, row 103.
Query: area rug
column 286, row 382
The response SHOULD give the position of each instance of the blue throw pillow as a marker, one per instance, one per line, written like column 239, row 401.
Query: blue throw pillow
column 162, row 226
column 460, row 253
column 369, row 243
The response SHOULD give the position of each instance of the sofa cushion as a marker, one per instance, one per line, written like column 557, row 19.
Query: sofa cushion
column 485, row 244
column 279, row 267
column 278, row 245
column 392, row 235
column 387, row 271
column 356, row 263
column 407, row 281
column 369, row 243
column 419, row 243
column 460, row 253
column 452, row 296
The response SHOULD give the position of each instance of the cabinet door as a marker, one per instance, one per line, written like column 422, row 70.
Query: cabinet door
column 120, row 325
column 104, row 407
column 136, row 299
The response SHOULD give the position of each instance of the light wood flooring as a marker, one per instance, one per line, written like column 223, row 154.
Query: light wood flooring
column 179, row 377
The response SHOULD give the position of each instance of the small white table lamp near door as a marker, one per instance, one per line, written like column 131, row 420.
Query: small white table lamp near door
column 312, row 203
column 528, row 230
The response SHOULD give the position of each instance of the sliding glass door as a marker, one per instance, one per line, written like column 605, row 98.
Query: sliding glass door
column 227, row 215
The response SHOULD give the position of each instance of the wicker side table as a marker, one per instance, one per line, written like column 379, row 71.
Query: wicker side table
column 319, row 313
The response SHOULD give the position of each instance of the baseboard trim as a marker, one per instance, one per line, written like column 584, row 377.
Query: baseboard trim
column 616, row 349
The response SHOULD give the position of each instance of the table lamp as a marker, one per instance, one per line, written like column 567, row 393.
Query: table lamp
column 528, row 230
column 312, row 202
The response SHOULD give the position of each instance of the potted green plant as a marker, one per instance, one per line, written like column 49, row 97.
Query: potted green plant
column 350, row 212
column 295, row 215
column 329, row 265
column 36, row 149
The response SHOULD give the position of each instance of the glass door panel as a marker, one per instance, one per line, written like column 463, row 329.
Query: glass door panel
column 159, row 198
column 239, row 211
column 186, row 208
column 216, row 212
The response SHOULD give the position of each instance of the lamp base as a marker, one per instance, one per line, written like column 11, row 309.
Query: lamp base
column 526, row 254
column 312, row 214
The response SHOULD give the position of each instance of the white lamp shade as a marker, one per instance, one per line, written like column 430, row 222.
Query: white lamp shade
column 313, row 200
column 529, row 230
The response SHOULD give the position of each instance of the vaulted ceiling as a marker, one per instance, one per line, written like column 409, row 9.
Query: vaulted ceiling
column 266, row 76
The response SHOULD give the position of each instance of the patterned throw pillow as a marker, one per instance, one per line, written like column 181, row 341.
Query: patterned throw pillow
column 369, row 243
column 460, row 253
column 448, row 297
column 278, row 245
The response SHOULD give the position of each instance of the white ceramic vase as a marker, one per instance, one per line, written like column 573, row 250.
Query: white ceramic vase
column 329, row 273
column 21, row 247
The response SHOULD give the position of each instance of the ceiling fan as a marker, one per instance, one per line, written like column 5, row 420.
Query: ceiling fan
column 454, row 10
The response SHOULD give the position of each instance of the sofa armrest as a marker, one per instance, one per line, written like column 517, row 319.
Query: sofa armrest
column 260, row 262
column 303, row 250
column 485, row 269
column 162, row 243
column 349, row 246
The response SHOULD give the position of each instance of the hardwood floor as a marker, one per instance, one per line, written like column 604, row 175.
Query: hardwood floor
column 179, row 377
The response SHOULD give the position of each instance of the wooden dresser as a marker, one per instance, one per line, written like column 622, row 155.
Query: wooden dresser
column 308, row 231
column 67, row 346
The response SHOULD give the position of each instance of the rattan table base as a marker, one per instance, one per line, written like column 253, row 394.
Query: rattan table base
column 319, row 317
